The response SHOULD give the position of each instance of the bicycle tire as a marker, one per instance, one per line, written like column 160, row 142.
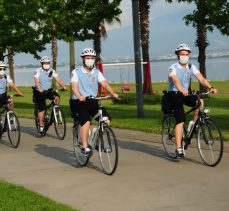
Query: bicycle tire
column 81, row 159
column 168, row 136
column 37, row 122
column 108, row 150
column 210, row 142
column 13, row 130
column 1, row 127
column 59, row 122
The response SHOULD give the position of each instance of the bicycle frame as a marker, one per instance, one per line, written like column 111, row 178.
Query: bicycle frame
column 188, row 135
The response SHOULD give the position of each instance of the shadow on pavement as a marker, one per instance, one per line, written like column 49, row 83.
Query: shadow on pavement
column 151, row 150
column 63, row 155
column 57, row 153
column 32, row 131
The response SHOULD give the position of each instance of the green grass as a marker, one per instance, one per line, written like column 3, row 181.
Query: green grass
column 14, row 197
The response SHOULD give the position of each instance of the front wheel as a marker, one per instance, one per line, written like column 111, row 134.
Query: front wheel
column 59, row 122
column 108, row 150
column 13, row 129
column 77, row 145
column 168, row 136
column 210, row 142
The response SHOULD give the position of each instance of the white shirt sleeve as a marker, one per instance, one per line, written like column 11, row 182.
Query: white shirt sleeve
column 100, row 77
column 54, row 73
column 172, row 71
column 74, row 76
column 8, row 79
column 195, row 70
column 37, row 74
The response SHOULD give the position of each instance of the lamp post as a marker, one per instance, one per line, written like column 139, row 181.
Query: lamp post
column 137, row 57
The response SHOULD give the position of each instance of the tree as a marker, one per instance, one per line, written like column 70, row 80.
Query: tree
column 19, row 27
column 209, row 14
column 102, row 12
column 144, row 9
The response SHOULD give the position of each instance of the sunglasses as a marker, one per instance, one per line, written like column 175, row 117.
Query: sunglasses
column 2, row 68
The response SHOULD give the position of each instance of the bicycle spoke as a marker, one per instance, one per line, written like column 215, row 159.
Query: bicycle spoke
column 59, row 122
column 81, row 159
column 13, row 129
column 108, row 150
column 210, row 143
column 168, row 137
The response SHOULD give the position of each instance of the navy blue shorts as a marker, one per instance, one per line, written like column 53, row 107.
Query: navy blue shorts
column 177, row 101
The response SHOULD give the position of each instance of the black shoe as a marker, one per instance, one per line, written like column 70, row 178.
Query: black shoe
column 179, row 153
column 86, row 152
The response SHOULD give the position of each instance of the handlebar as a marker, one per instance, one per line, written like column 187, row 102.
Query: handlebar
column 100, row 98
column 199, row 95
column 48, row 90
column 16, row 95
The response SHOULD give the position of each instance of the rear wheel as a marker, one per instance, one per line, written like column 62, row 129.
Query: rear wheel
column 168, row 136
column 59, row 122
column 13, row 129
column 1, row 127
column 108, row 150
column 41, row 133
column 77, row 145
column 210, row 142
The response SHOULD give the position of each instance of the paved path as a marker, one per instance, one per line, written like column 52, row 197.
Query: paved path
column 145, row 179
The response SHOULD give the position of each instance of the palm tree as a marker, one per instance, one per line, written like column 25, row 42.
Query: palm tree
column 144, row 9
column 208, row 14
column 107, row 12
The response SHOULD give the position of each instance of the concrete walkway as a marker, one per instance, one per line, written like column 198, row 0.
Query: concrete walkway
column 145, row 179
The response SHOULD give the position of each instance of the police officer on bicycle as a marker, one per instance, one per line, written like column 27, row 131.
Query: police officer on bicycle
column 4, row 80
column 43, row 81
column 178, row 86
column 84, row 83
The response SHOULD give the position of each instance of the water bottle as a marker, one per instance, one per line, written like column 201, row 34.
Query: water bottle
column 191, row 123
column 91, row 136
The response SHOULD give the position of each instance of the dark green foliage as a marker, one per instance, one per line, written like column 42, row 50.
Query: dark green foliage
column 19, row 26
column 130, row 99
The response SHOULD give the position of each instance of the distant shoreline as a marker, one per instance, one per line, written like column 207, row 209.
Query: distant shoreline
column 172, row 58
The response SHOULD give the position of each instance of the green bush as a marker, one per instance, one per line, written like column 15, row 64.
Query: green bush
column 130, row 99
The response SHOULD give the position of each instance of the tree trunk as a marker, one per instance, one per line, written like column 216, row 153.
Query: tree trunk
column 144, row 8
column 54, row 55
column 1, row 56
column 11, row 65
column 202, row 44
column 54, row 58
column 137, row 57
column 97, row 43
column 72, row 58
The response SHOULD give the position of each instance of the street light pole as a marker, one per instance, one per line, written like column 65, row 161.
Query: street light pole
column 137, row 57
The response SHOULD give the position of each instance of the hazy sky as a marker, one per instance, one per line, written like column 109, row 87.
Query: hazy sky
column 167, row 30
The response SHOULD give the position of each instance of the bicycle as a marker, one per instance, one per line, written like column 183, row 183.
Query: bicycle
column 208, row 134
column 10, row 124
column 101, row 139
column 53, row 114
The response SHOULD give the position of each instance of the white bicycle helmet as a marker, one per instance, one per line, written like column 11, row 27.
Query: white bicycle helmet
column 45, row 59
column 2, row 64
column 181, row 47
column 88, row 52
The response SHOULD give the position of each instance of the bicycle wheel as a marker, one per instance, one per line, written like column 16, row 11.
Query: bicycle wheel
column 59, row 122
column 210, row 142
column 1, row 127
column 168, row 136
column 13, row 129
column 108, row 150
column 77, row 145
